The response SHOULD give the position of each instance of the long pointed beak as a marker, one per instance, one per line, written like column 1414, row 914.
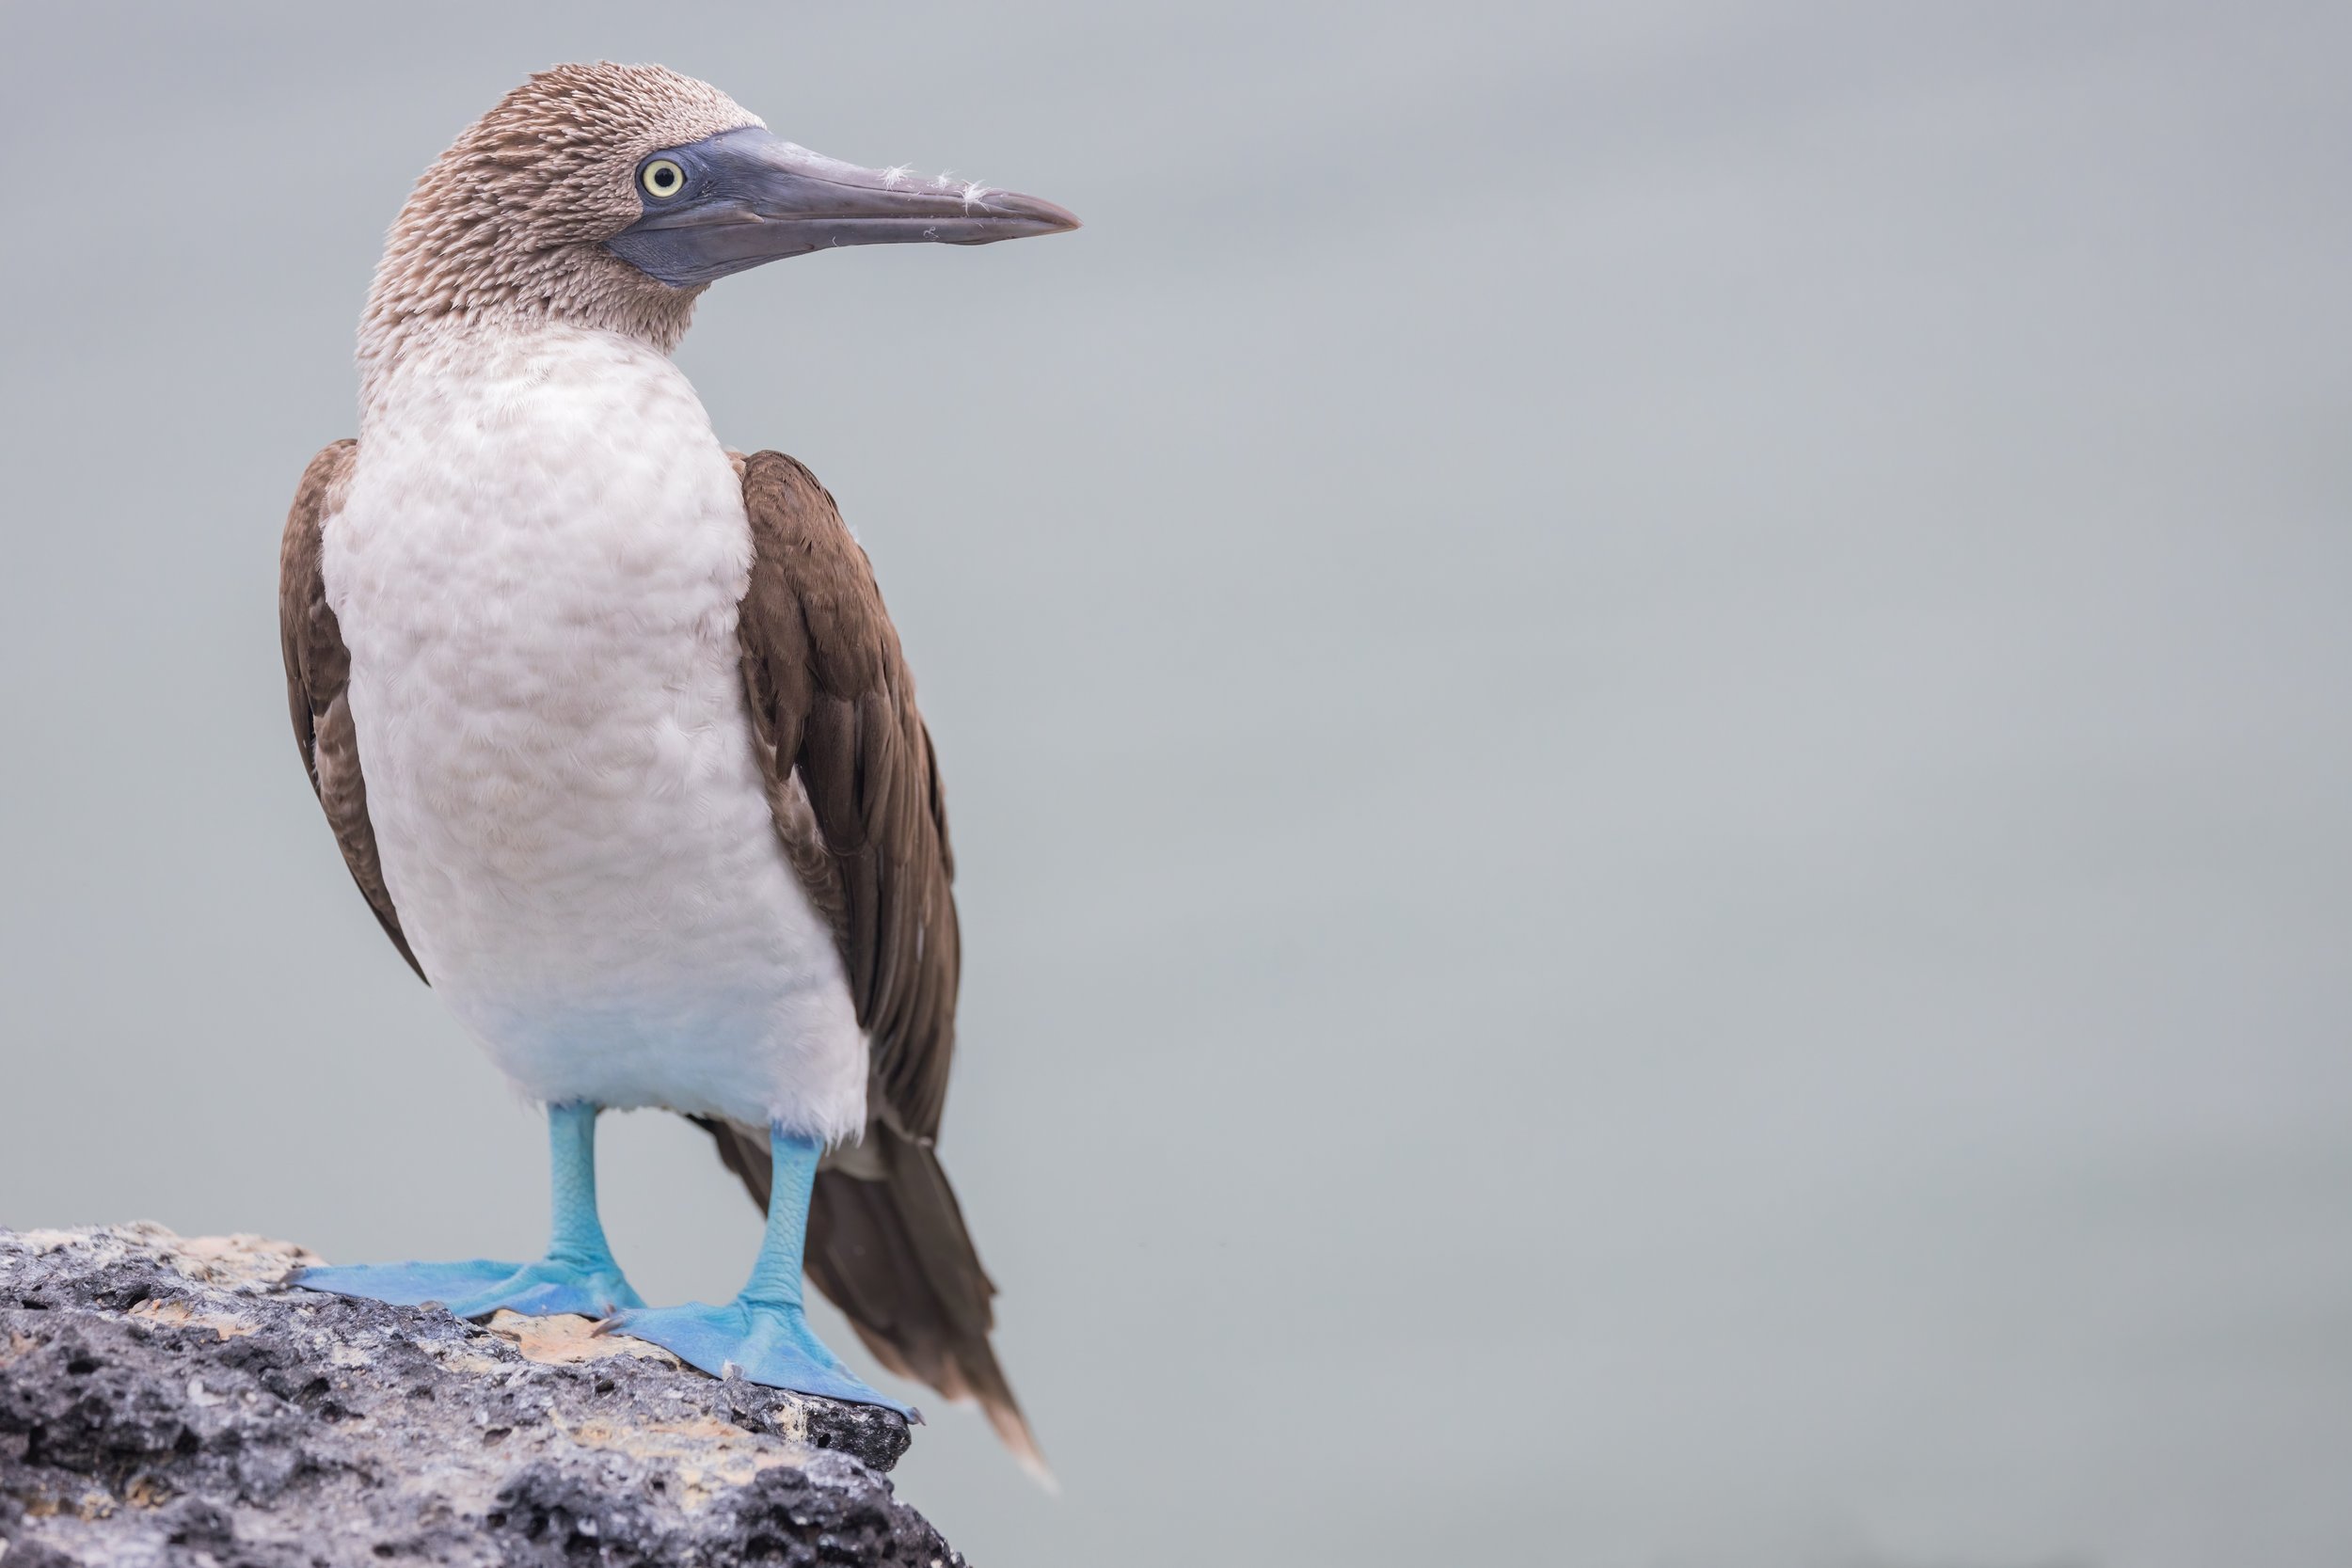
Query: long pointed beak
column 747, row 197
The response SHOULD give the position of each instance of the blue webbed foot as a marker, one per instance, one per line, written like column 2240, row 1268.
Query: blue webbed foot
column 768, row 1343
column 478, row 1287
column 407, row 1284
column 577, row 1275
column 593, row 1290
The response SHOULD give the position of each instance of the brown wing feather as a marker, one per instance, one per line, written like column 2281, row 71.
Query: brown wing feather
column 846, row 754
column 858, row 805
column 318, row 672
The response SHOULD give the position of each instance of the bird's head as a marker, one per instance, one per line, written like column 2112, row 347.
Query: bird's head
column 611, row 195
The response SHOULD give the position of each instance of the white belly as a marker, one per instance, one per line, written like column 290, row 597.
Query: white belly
column 536, row 570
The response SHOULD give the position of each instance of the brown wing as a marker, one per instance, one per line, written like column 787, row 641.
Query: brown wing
column 856, row 797
column 852, row 781
column 318, row 671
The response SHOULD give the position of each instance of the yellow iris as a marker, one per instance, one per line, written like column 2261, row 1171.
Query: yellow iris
column 663, row 178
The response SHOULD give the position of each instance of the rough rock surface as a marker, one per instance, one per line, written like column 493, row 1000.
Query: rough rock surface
column 172, row 1403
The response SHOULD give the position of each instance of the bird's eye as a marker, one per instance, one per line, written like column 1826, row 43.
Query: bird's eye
column 663, row 178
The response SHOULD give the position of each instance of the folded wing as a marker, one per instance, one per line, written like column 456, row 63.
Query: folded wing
column 856, row 797
column 318, row 676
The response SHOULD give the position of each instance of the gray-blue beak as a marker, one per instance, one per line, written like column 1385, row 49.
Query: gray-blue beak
column 741, row 197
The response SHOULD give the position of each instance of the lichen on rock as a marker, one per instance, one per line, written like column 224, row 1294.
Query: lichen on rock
column 173, row 1402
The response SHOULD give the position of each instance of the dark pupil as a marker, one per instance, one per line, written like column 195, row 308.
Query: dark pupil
column 665, row 178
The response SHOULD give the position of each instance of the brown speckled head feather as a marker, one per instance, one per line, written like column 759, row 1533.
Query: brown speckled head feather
column 513, row 218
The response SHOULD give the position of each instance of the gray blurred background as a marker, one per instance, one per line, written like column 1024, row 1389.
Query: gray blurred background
column 1646, row 715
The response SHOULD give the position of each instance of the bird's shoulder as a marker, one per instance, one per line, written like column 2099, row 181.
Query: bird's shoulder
column 797, row 529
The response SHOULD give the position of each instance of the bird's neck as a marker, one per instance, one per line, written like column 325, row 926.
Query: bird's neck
column 531, row 363
column 420, row 306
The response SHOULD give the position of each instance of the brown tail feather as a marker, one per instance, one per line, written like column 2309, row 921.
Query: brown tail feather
column 894, row 1255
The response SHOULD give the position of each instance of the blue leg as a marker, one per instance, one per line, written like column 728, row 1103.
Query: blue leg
column 577, row 1275
column 764, row 1332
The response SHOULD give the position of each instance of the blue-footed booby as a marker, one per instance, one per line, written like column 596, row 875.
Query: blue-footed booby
column 615, row 736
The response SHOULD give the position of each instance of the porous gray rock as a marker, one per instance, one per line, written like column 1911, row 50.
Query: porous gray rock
column 175, row 1404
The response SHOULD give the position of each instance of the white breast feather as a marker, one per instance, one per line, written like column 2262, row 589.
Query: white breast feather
column 537, row 570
